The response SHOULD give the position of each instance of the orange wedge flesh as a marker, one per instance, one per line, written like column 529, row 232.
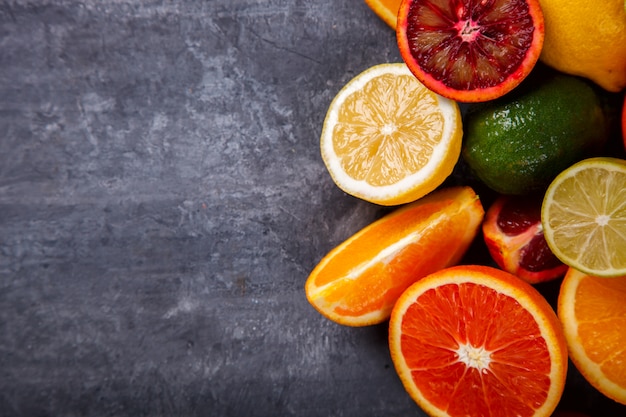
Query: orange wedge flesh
column 593, row 313
column 387, row 10
column 358, row 282
column 475, row 340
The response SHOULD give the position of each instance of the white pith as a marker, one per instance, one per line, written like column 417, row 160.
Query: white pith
column 474, row 356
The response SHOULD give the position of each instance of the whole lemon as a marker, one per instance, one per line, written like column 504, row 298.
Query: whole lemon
column 587, row 38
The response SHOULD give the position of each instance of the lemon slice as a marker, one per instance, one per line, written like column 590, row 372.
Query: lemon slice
column 584, row 216
column 389, row 140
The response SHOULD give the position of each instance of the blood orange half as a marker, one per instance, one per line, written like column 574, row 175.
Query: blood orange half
column 470, row 50
column 478, row 341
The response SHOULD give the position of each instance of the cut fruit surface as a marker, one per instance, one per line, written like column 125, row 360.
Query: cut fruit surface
column 478, row 341
column 389, row 140
column 472, row 50
column 514, row 236
column 358, row 282
column 387, row 10
column 593, row 314
column 584, row 216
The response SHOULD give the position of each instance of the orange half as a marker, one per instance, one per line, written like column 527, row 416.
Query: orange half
column 593, row 313
column 478, row 341
column 358, row 282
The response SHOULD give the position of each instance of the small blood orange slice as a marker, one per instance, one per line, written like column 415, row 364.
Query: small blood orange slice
column 471, row 50
column 514, row 236
column 477, row 341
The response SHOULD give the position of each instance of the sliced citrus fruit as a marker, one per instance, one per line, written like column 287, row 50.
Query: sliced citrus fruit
column 389, row 140
column 593, row 314
column 387, row 10
column 478, row 341
column 514, row 237
column 473, row 50
column 584, row 216
column 358, row 282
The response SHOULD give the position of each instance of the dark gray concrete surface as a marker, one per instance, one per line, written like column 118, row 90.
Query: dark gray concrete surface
column 162, row 201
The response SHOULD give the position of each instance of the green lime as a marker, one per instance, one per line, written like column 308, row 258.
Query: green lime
column 520, row 142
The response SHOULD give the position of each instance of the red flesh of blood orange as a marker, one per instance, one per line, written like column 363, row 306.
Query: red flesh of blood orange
column 470, row 50
column 478, row 341
column 514, row 236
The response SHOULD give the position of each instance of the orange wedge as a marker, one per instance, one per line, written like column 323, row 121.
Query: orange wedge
column 387, row 10
column 478, row 341
column 358, row 282
column 593, row 313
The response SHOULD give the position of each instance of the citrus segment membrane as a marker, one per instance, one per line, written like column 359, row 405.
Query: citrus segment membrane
column 473, row 340
column 584, row 216
column 472, row 50
column 389, row 140
column 359, row 281
column 390, row 152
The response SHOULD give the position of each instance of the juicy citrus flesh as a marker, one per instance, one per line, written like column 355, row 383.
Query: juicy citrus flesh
column 514, row 237
column 473, row 50
column 389, row 140
column 474, row 340
column 387, row 10
column 593, row 314
column 584, row 216
column 358, row 282
column 587, row 39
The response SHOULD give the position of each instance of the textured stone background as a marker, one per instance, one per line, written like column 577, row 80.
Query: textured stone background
column 162, row 201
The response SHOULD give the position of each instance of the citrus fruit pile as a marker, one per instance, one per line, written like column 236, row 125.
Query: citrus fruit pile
column 519, row 104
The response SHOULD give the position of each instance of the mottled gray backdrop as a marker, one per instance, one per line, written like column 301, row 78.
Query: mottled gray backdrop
column 162, row 201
